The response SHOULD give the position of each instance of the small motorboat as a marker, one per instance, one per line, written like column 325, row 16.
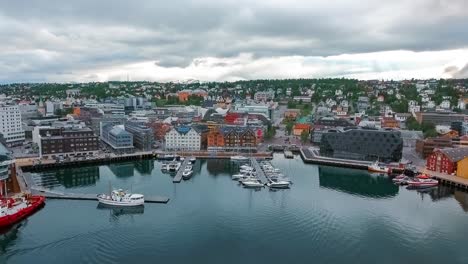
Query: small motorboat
column 399, row 177
column 239, row 158
column 17, row 208
column 246, row 167
column 173, row 166
column 422, row 181
column 376, row 167
column 121, row 198
column 252, row 184
column 187, row 174
column 165, row 166
column 192, row 160
column 237, row 176
column 278, row 184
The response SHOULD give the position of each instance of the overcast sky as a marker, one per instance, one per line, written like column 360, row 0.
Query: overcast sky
column 218, row 40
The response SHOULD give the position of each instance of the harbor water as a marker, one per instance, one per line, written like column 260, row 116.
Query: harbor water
column 329, row 215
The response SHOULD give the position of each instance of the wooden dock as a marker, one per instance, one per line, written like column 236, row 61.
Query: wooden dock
column 178, row 177
column 260, row 174
column 87, row 196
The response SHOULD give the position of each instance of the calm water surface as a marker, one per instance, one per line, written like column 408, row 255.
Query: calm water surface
column 330, row 215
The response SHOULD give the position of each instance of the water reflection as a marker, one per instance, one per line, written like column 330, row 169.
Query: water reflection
column 122, row 170
column 144, row 167
column 218, row 166
column 356, row 182
column 77, row 177
column 9, row 234
column 115, row 211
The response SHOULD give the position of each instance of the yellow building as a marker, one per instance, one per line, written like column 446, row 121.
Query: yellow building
column 462, row 168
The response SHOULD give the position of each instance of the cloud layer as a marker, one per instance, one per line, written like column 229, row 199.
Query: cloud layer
column 84, row 40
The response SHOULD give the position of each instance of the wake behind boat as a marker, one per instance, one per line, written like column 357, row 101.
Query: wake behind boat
column 121, row 198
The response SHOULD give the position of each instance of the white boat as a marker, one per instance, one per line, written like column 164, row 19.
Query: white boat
column 192, row 160
column 422, row 181
column 186, row 174
column 239, row 158
column 237, row 176
column 174, row 166
column 188, row 168
column 247, row 171
column 279, row 184
column 165, row 166
column 376, row 167
column 121, row 198
column 252, row 183
column 246, row 167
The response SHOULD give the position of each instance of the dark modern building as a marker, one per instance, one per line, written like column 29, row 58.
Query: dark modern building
column 67, row 141
column 143, row 136
column 362, row 144
column 333, row 122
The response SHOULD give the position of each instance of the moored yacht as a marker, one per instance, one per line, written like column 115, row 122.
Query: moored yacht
column 121, row 198
column 239, row 158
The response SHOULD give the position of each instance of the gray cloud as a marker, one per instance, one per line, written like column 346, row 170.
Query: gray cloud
column 42, row 40
column 457, row 73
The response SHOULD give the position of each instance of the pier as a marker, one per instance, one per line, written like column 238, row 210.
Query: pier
column 178, row 177
column 260, row 174
column 446, row 179
column 37, row 165
column 311, row 156
column 87, row 196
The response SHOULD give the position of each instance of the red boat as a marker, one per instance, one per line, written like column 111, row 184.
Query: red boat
column 422, row 181
column 15, row 209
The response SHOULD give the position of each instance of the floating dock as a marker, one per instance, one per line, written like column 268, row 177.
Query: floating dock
column 178, row 177
column 88, row 196
column 260, row 174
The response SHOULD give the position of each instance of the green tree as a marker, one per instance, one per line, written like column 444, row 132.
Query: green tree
column 291, row 104
column 304, row 136
column 412, row 124
column 271, row 132
column 289, row 127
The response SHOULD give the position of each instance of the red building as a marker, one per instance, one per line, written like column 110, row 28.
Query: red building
column 445, row 160
column 231, row 117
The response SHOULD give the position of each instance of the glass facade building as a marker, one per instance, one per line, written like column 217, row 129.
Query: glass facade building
column 362, row 144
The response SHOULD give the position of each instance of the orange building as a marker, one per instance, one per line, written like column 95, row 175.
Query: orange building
column 450, row 134
column 183, row 95
column 299, row 128
column 389, row 122
column 76, row 111
column 215, row 138
column 292, row 114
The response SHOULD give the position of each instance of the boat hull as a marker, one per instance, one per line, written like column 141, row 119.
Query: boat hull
column 116, row 203
column 8, row 220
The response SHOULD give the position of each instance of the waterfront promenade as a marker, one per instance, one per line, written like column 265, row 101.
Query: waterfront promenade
column 310, row 155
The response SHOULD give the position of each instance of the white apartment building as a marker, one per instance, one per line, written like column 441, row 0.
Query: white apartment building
column 10, row 124
column 183, row 138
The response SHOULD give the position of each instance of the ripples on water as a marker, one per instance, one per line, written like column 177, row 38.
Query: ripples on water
column 330, row 215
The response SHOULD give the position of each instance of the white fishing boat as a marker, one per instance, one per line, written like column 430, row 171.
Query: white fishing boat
column 376, row 167
column 121, row 198
column 239, row 158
